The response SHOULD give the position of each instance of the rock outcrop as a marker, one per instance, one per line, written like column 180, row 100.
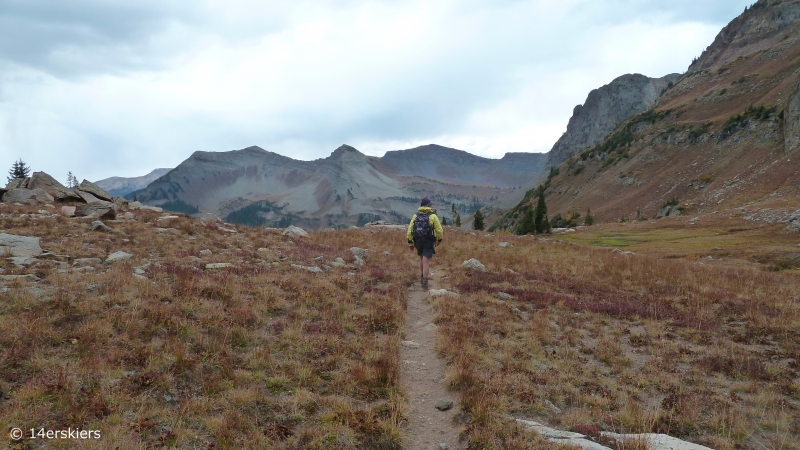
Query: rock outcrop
column 52, row 186
column 604, row 109
column 22, row 246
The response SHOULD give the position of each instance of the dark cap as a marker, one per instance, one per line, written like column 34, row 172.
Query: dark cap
column 426, row 202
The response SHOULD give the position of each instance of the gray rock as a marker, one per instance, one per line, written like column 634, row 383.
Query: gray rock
column 504, row 295
column 95, row 190
column 505, row 244
column 18, row 183
column 358, row 261
column 120, row 201
column 444, row 404
column 794, row 225
column 206, row 252
column 118, row 256
column 166, row 218
column 100, row 226
column 23, row 261
column 312, row 269
column 28, row 277
column 604, row 109
column 338, row 262
column 359, row 252
column 129, row 216
column 387, row 253
column 99, row 209
column 657, row 441
column 87, row 261
column 213, row 266
column 140, row 277
column 438, row 292
column 474, row 264
column 295, row 232
column 555, row 409
column 443, row 446
column 13, row 245
column 409, row 344
column 88, row 197
column 27, row 196
column 57, row 190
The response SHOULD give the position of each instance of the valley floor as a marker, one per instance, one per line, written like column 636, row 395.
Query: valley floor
column 215, row 337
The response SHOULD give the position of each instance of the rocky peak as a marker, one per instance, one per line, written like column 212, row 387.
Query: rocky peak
column 758, row 23
column 604, row 109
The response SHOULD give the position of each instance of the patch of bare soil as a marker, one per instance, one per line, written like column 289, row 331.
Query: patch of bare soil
column 422, row 378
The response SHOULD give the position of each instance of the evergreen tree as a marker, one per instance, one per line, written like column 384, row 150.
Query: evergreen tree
column 18, row 170
column 72, row 181
column 540, row 222
column 589, row 220
column 477, row 223
column 526, row 224
column 444, row 221
column 458, row 219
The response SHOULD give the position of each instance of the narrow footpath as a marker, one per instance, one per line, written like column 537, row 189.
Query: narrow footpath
column 422, row 378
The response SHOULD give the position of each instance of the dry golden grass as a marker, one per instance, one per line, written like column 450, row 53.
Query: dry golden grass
column 699, row 349
column 261, row 355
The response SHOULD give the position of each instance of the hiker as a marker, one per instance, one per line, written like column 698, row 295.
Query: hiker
column 424, row 234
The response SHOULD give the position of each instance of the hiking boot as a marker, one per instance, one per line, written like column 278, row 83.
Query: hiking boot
column 424, row 283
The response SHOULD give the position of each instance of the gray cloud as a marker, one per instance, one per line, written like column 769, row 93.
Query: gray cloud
column 121, row 88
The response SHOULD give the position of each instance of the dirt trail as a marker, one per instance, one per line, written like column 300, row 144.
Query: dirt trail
column 422, row 378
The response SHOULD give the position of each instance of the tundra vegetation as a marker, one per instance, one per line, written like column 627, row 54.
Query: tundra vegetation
column 565, row 330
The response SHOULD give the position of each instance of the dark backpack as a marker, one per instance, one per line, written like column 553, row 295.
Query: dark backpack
column 422, row 228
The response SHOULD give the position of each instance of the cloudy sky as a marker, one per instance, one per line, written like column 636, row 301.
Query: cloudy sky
column 104, row 88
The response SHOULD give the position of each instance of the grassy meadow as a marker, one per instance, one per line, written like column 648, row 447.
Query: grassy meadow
column 159, row 351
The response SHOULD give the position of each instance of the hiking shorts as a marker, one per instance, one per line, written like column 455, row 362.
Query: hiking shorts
column 425, row 248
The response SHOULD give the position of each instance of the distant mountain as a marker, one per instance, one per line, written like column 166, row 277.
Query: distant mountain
column 259, row 187
column 722, row 140
column 123, row 186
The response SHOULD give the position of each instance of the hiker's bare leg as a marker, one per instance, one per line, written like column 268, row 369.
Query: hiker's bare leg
column 426, row 267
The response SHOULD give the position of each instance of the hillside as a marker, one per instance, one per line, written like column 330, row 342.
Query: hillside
column 123, row 186
column 721, row 141
column 257, row 187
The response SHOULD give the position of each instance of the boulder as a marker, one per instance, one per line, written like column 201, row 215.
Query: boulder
column 88, row 186
column 88, row 197
column 338, row 262
column 312, row 269
column 68, row 211
column 120, row 201
column 505, row 244
column 212, row 266
column 444, row 404
column 13, row 245
column 139, row 205
column 438, row 292
column 359, row 252
column 474, row 264
column 23, row 261
column 52, row 186
column 99, row 209
column 294, row 232
column 100, row 226
column 206, row 252
column 118, row 256
column 27, row 196
column 17, row 183
column 794, row 225
column 80, row 262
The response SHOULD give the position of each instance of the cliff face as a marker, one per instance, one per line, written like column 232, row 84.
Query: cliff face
column 605, row 108
column 722, row 141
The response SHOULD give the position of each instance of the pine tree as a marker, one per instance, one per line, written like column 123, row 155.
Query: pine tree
column 444, row 221
column 458, row 219
column 72, row 181
column 540, row 222
column 18, row 170
column 477, row 223
column 526, row 224
column 589, row 220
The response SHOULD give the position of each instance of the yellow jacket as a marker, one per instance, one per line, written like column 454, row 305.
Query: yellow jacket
column 434, row 220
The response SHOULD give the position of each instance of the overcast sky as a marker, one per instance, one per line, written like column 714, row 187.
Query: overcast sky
column 106, row 88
